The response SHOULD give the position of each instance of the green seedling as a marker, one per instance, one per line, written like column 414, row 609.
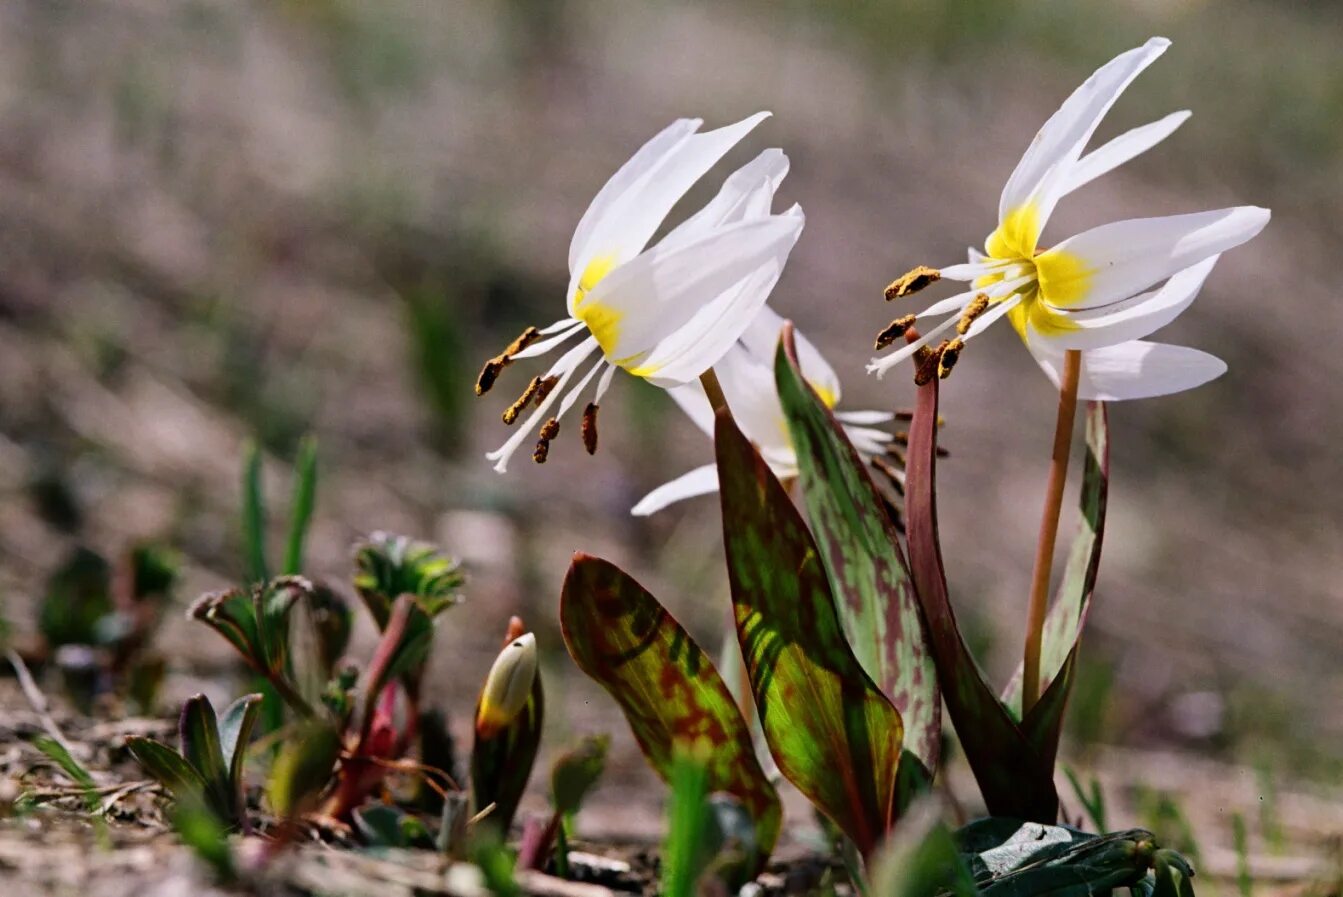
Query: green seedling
column 572, row 776
column 207, row 769
column 76, row 771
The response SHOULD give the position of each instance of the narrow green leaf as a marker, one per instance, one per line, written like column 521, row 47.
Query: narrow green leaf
column 76, row 771
column 671, row 695
column 1013, row 778
column 863, row 561
column 389, row 566
column 167, row 767
column 685, row 853
column 831, row 730
column 253, row 515
column 232, row 614
column 305, row 496
column 206, row 835
column 235, row 731
column 198, row 729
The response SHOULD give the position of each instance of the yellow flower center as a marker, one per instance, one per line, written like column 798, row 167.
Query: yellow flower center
column 1061, row 278
column 603, row 321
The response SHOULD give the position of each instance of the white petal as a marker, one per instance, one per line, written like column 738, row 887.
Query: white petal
column 700, row 481
column 761, row 340
column 747, row 194
column 984, row 321
column 1119, row 260
column 648, row 158
column 545, row 345
column 564, row 368
column 679, row 311
column 629, row 221
column 604, row 383
column 863, row 418
column 692, row 400
column 1134, row 318
column 1061, row 140
column 1135, row 370
column 1118, row 151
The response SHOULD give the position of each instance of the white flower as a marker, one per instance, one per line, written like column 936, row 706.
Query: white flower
column 670, row 312
column 746, row 373
column 1100, row 291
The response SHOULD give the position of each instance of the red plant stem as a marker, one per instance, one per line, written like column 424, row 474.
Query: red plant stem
column 1049, row 529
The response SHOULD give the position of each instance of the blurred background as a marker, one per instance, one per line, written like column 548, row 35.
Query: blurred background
column 223, row 220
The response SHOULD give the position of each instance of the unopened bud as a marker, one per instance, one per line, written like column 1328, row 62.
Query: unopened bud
column 507, row 686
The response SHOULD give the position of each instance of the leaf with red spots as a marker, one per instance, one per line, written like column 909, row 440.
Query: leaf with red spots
column 671, row 694
column 865, row 565
column 832, row 732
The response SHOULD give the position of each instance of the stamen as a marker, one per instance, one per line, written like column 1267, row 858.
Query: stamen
column 549, row 430
column 891, row 472
column 495, row 366
column 543, row 390
column 512, row 411
column 911, row 282
column 946, row 360
column 972, row 311
column 928, row 361
column 895, row 330
column 589, row 428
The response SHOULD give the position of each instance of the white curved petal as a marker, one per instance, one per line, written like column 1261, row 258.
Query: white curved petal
column 691, row 399
column 1060, row 142
column 1126, row 146
column 761, row 341
column 1135, row 370
column 647, row 159
column 543, row 346
column 626, row 224
column 700, row 481
column 679, row 312
column 746, row 194
column 864, row 418
column 1134, row 318
column 1116, row 261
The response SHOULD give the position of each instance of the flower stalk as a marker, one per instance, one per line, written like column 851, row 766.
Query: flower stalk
column 1049, row 529
column 714, row 390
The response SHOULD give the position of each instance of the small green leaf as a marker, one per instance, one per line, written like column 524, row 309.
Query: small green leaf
column 861, row 551
column 76, row 771
column 253, row 515
column 198, row 729
column 831, row 730
column 206, row 835
column 303, row 769
column 275, row 601
column 380, row 826
column 235, row 731
column 686, row 850
column 671, row 695
column 390, row 566
column 78, row 597
column 576, row 771
column 305, row 496
column 167, row 767
column 232, row 614
column 921, row 859
column 1013, row 777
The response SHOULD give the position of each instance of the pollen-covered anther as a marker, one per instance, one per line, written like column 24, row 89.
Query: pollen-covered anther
column 589, row 428
column 495, row 366
column 891, row 472
column 929, row 363
column 512, row 411
column 911, row 282
column 525, row 339
column 976, row 308
column 946, row 359
column 549, row 430
column 894, row 330
column 543, row 389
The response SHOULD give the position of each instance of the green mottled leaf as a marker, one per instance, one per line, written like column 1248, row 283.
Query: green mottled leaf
column 198, row 729
column 866, row 568
column 501, row 763
column 167, row 767
column 831, row 730
column 670, row 692
column 1013, row 777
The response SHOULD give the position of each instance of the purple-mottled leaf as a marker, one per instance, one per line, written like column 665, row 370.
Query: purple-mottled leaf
column 831, row 730
column 672, row 696
column 864, row 563
column 1013, row 776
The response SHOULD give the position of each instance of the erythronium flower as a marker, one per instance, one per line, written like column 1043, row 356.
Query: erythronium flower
column 1100, row 291
column 746, row 373
column 668, row 313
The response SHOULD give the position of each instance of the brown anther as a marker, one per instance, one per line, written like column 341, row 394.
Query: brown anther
column 973, row 310
column 904, row 415
column 544, row 389
column 891, row 472
column 911, row 282
column 901, row 437
column 894, row 331
column 929, row 362
column 549, row 430
column 946, row 360
column 512, row 411
column 589, row 428
column 489, row 373
column 525, row 339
